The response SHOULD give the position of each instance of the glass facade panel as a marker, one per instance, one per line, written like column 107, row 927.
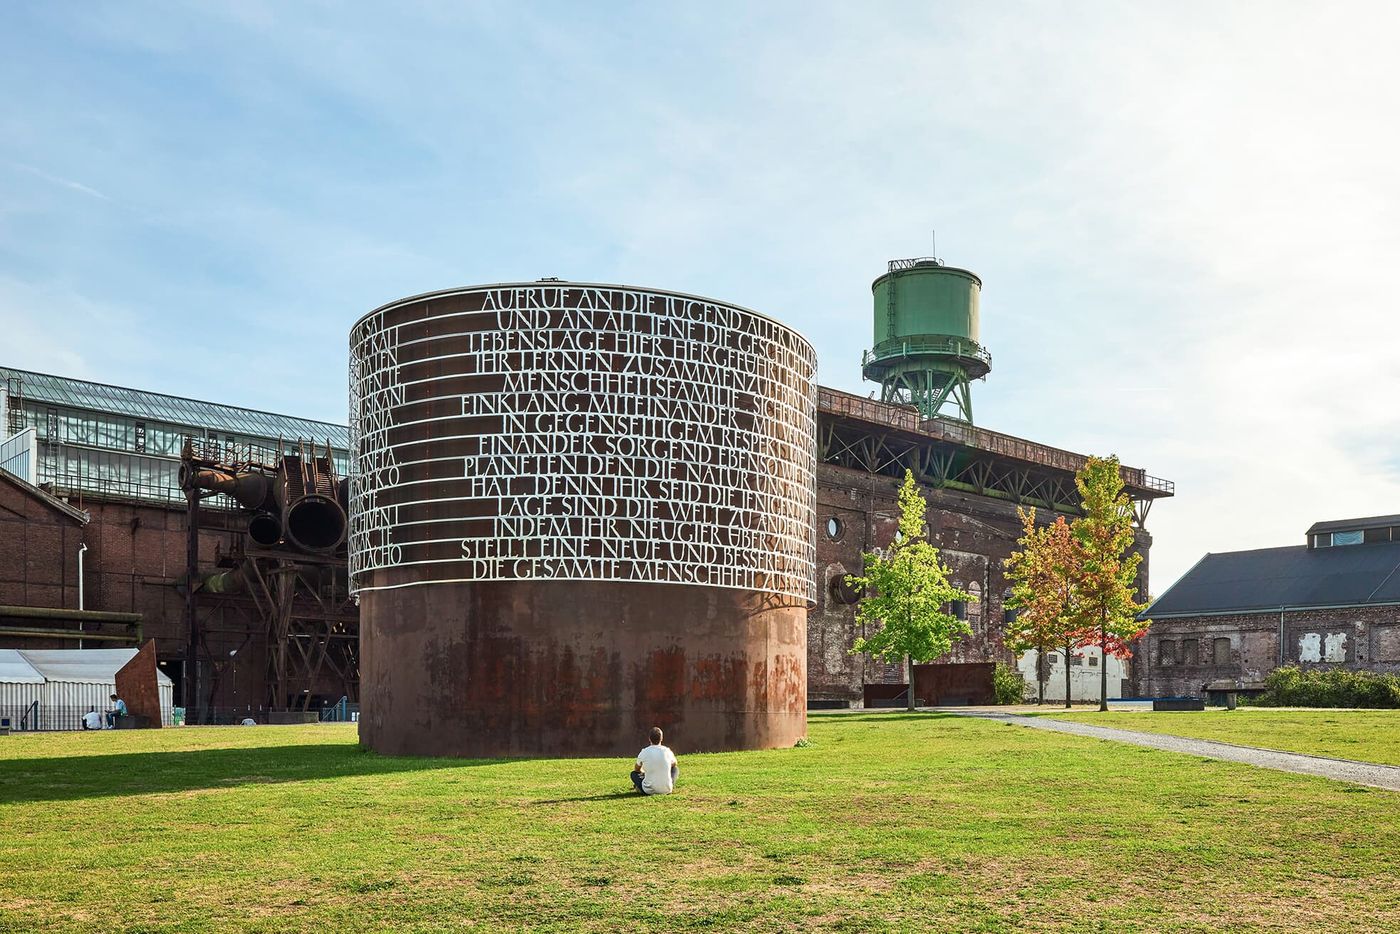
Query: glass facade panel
column 124, row 443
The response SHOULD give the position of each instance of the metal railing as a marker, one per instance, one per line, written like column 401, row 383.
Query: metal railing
column 926, row 344
column 342, row 711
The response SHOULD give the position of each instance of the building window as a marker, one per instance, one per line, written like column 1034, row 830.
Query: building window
column 1093, row 661
column 1077, row 660
column 834, row 528
column 1053, row 659
column 960, row 609
column 1166, row 652
column 1186, row 653
column 1372, row 536
column 1009, row 614
column 138, row 438
column 1347, row 538
column 1222, row 651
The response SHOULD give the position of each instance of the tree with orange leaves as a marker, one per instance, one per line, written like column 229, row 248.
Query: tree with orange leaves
column 1105, row 610
column 1042, row 575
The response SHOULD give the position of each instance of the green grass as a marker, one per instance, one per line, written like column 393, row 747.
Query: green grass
column 1364, row 735
column 886, row 822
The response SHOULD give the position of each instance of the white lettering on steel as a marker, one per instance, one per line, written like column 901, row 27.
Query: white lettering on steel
column 563, row 432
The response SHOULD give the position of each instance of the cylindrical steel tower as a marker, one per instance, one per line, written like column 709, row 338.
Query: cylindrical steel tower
column 926, row 352
column 578, row 511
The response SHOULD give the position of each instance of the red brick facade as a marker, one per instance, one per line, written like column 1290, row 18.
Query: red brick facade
column 39, row 545
column 1182, row 654
column 974, row 535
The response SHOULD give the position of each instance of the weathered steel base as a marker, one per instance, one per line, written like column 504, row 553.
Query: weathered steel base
column 541, row 668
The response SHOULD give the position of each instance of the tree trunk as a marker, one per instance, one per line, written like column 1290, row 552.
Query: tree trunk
column 1068, row 647
column 1040, row 674
column 1103, row 667
column 909, row 667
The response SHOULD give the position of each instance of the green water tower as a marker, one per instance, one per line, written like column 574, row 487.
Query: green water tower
column 926, row 352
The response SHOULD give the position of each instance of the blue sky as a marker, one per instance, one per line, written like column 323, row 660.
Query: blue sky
column 1185, row 214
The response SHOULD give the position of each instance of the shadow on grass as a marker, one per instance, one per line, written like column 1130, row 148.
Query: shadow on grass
column 141, row 773
column 610, row 796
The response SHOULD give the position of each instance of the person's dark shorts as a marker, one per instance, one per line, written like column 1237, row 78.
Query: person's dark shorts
column 637, row 782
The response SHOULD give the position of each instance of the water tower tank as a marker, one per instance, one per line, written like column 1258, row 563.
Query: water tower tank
column 926, row 349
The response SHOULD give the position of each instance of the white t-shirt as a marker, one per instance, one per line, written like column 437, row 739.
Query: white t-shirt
column 92, row 720
column 656, row 762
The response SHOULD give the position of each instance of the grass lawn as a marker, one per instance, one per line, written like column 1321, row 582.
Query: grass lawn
column 888, row 821
column 1365, row 735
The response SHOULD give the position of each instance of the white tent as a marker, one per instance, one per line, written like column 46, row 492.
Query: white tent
column 20, row 689
column 67, row 683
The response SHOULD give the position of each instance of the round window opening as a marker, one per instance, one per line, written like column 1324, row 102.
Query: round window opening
column 834, row 528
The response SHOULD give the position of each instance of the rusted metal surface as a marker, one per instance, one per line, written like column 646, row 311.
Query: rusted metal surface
column 290, row 583
column 957, row 684
column 579, row 669
column 138, row 684
column 298, row 497
column 578, row 512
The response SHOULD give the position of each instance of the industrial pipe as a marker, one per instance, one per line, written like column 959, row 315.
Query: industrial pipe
column 82, row 548
column 251, row 489
column 223, row 582
column 265, row 528
column 315, row 523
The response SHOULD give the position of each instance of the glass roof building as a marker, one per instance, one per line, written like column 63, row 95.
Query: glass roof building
column 96, row 439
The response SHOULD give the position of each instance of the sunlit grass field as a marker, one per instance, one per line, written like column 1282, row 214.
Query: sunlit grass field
column 886, row 822
column 1364, row 735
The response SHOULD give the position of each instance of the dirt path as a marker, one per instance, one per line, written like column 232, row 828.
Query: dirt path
column 1343, row 770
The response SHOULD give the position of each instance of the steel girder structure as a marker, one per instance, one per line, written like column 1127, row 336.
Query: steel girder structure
column 944, row 465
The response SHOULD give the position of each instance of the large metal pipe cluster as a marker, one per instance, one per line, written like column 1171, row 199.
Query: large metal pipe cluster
column 300, row 502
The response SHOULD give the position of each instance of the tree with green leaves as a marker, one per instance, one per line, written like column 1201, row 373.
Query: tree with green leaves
column 1042, row 575
column 1105, row 611
column 906, row 590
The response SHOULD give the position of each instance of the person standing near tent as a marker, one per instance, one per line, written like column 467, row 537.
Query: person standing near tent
column 92, row 720
column 118, row 710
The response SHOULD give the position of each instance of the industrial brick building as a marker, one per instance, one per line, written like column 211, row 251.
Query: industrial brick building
column 94, row 536
column 974, row 481
column 1331, row 601
column 99, row 466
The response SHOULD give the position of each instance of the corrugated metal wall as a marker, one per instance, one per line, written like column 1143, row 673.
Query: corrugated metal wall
column 63, row 703
column 15, row 700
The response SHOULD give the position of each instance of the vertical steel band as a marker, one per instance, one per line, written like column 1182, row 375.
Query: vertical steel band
column 578, row 432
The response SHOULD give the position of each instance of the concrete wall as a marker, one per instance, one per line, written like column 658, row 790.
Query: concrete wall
column 1085, row 678
column 1183, row 654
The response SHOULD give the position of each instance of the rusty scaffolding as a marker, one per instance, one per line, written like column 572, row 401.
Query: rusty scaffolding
column 295, row 599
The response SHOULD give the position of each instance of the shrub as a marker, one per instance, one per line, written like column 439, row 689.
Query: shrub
column 1291, row 686
column 1007, row 684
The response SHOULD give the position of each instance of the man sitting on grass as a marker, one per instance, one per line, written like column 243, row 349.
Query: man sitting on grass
column 656, row 770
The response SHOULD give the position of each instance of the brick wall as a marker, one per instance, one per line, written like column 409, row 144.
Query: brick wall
column 974, row 535
column 1182, row 654
column 38, row 552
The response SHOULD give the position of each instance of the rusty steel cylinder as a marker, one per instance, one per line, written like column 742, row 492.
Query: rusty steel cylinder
column 576, row 512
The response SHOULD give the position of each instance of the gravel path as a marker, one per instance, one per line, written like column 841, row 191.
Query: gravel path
column 1343, row 770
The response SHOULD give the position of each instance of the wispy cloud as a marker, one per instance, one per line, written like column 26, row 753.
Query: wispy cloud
column 62, row 182
column 1185, row 226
